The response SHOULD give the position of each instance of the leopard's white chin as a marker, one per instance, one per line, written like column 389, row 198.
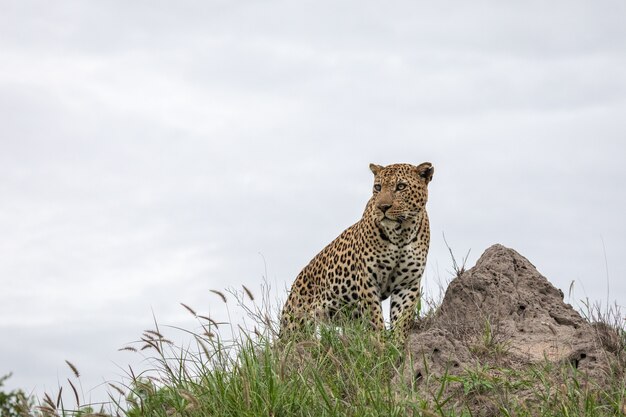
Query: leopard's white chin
column 391, row 225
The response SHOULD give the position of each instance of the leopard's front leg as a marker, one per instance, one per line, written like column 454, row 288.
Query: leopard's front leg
column 371, row 307
column 403, row 305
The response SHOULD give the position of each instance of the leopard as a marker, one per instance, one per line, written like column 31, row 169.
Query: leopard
column 383, row 255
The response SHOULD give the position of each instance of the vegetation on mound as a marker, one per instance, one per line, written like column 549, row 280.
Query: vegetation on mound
column 346, row 371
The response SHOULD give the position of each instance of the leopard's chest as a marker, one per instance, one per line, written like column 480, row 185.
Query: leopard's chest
column 383, row 269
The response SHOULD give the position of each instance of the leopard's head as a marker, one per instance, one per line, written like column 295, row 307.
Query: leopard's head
column 400, row 194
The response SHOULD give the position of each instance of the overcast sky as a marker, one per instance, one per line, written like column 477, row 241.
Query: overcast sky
column 151, row 151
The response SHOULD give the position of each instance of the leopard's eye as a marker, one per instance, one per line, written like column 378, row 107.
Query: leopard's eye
column 377, row 187
column 400, row 187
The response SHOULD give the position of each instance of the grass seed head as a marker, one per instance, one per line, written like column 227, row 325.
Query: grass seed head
column 248, row 293
column 73, row 368
column 189, row 309
column 221, row 294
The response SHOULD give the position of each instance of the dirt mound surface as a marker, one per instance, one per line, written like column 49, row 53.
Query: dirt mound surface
column 504, row 313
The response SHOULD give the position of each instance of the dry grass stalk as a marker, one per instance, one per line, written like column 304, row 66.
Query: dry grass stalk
column 73, row 368
column 190, row 398
column 47, row 411
column 210, row 320
column 132, row 373
column 48, row 400
column 147, row 346
column 59, row 396
column 248, row 293
column 221, row 294
column 204, row 348
column 189, row 309
column 75, row 393
column 118, row 389
column 128, row 348
column 154, row 333
column 150, row 343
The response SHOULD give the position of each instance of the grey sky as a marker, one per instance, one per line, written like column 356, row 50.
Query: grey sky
column 150, row 151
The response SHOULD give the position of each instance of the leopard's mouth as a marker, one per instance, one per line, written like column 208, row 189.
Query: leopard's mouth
column 396, row 219
column 391, row 223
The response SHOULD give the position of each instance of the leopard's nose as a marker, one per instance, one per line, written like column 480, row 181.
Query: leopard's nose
column 384, row 207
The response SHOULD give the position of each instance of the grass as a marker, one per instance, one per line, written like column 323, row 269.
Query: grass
column 346, row 371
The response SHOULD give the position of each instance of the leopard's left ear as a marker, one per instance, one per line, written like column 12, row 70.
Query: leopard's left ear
column 425, row 170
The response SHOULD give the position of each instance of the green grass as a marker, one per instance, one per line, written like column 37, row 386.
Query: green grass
column 347, row 372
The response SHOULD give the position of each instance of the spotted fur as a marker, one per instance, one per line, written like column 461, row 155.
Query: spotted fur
column 383, row 255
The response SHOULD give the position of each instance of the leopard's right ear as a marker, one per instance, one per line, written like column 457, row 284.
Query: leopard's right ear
column 376, row 168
